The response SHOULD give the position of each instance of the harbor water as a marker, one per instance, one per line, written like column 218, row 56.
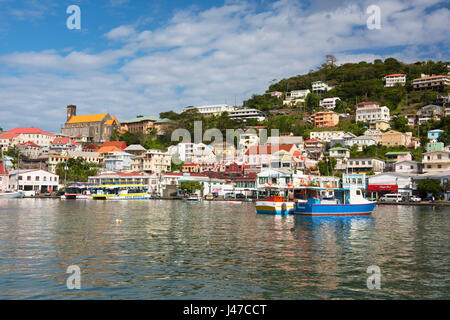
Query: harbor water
column 161, row 249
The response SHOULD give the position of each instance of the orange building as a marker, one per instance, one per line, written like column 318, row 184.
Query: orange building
column 325, row 119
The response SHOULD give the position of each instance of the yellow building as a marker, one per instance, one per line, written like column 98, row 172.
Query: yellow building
column 380, row 125
column 394, row 138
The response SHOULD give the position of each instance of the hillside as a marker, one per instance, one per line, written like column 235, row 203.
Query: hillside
column 355, row 82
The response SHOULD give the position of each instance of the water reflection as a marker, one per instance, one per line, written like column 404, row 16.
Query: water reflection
column 174, row 249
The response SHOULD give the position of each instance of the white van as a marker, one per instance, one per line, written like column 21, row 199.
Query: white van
column 392, row 197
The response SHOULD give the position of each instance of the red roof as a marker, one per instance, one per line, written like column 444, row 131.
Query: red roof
column 396, row 75
column 64, row 140
column 31, row 130
column 29, row 143
column 431, row 77
column 3, row 169
column 91, row 146
column 9, row 135
column 269, row 149
column 190, row 164
column 311, row 141
column 119, row 144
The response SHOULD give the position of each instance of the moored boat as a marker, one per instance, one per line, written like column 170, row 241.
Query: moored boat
column 194, row 198
column 11, row 194
column 334, row 202
column 77, row 192
column 275, row 205
column 120, row 192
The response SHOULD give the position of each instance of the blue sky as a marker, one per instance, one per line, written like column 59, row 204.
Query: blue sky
column 145, row 57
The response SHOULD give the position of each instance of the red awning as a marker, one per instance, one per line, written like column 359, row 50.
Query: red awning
column 383, row 187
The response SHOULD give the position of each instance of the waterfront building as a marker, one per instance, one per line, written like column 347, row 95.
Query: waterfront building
column 438, row 82
column 94, row 127
column 391, row 182
column 357, row 180
column 392, row 79
column 436, row 161
column 273, row 178
column 4, row 177
column 144, row 125
column 329, row 103
column 245, row 114
column 372, row 114
column 325, row 119
column 119, row 178
column 326, row 136
column 362, row 165
column 210, row 110
column 33, row 181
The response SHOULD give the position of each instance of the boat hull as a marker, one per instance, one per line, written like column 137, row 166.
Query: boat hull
column 310, row 209
column 275, row 208
column 76, row 197
column 135, row 196
column 4, row 195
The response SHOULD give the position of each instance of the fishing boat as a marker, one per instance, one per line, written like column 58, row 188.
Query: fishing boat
column 11, row 194
column 120, row 192
column 334, row 202
column 275, row 205
column 193, row 198
column 77, row 192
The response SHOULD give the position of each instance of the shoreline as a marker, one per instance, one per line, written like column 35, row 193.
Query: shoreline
column 434, row 204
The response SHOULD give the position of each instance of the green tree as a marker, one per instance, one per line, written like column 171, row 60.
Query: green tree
column 312, row 102
column 14, row 153
column 400, row 124
column 78, row 170
column 427, row 186
column 326, row 166
column 191, row 186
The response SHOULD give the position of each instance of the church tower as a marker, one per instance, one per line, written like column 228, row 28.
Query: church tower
column 71, row 111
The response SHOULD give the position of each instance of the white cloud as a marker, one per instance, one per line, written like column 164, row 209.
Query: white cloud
column 213, row 56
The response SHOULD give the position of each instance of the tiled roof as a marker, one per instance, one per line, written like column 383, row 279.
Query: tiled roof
column 118, row 144
column 9, row 135
column 87, row 118
column 30, row 130
column 396, row 75
column 109, row 149
column 63, row 140
column 269, row 149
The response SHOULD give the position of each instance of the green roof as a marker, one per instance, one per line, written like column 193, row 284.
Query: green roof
column 393, row 153
column 339, row 149
column 139, row 119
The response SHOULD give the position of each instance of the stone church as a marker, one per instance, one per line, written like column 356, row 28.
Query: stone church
column 97, row 128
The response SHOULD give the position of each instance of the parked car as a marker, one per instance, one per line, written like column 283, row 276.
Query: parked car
column 392, row 197
column 415, row 199
column 228, row 195
column 429, row 198
column 240, row 196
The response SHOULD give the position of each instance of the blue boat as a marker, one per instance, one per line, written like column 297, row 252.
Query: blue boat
column 334, row 202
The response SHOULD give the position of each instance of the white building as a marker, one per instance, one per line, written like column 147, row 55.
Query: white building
column 393, row 79
column 33, row 181
column 362, row 141
column 326, row 136
column 216, row 109
column 319, row 87
column 16, row 136
column 189, row 152
column 329, row 103
column 408, row 166
column 246, row 113
column 372, row 114
column 246, row 140
column 436, row 161
column 119, row 161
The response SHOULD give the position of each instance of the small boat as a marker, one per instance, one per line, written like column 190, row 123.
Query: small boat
column 77, row 192
column 193, row 198
column 275, row 205
column 334, row 202
column 11, row 194
column 120, row 192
